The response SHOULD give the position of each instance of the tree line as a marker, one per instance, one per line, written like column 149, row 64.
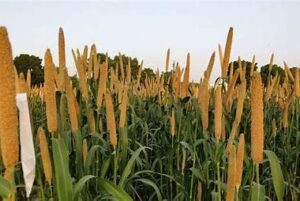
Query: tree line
column 25, row 62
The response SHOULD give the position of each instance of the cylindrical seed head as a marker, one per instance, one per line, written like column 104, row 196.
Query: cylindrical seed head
column 46, row 160
column 50, row 94
column 8, row 109
column 257, row 118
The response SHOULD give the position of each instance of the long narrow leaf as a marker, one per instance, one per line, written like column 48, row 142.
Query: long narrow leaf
column 257, row 192
column 61, row 167
column 153, row 185
column 115, row 191
column 6, row 188
column 79, row 186
column 129, row 166
column 277, row 175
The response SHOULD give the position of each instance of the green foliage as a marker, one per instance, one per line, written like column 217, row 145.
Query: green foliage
column 134, row 63
column 6, row 188
column 147, row 72
column 62, row 174
column 116, row 192
column 257, row 192
column 25, row 62
column 264, row 71
column 277, row 176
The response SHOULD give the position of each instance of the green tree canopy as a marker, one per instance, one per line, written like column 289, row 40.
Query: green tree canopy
column 134, row 63
column 147, row 72
column 25, row 62
column 264, row 71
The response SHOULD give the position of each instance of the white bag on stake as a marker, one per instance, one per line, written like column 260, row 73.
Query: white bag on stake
column 26, row 140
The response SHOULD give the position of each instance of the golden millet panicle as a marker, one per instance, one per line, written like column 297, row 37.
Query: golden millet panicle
column 84, row 151
column 102, row 84
column 123, row 108
column 240, row 103
column 28, row 79
column 220, row 55
column 240, row 160
column 90, row 62
column 8, row 109
column 285, row 118
column 128, row 72
column 223, row 134
column 230, row 91
column 62, row 59
column 46, row 160
column 173, row 123
column 91, row 120
column 61, row 48
column 121, row 66
column 199, row 191
column 296, row 85
column 204, row 94
column 71, row 104
column 50, row 94
column 231, row 178
column 186, row 76
column 167, row 59
column 227, row 53
column 82, row 78
column 96, row 67
column 218, row 113
column 252, row 66
column 110, row 119
column 204, row 104
column 257, row 118
column 288, row 72
column 274, row 128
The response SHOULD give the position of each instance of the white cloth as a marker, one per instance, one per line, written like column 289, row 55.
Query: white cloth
column 26, row 140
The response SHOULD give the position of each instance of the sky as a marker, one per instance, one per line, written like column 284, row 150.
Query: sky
column 146, row 29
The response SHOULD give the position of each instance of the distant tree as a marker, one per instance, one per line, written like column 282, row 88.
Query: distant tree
column 75, row 81
column 264, row 71
column 25, row 62
column 167, row 75
column 248, row 69
column 134, row 63
column 147, row 72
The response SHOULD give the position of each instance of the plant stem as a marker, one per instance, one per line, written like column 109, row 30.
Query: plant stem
column 257, row 172
column 192, row 179
column 115, row 166
column 219, row 180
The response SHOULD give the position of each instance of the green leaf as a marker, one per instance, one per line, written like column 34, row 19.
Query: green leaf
column 277, row 176
column 79, row 186
column 153, row 185
column 215, row 196
column 257, row 192
column 90, row 157
column 61, row 167
column 105, row 167
column 6, row 187
column 129, row 166
column 79, row 159
column 124, row 141
column 115, row 191
column 198, row 174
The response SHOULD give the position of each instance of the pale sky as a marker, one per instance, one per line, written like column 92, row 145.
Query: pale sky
column 145, row 29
